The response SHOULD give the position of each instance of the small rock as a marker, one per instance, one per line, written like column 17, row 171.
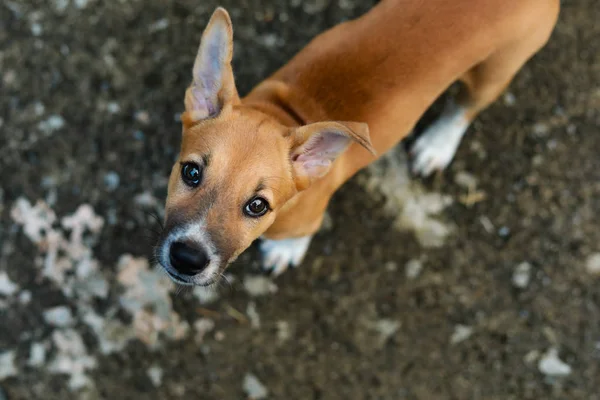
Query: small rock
column 522, row 275
column 37, row 355
column 7, row 364
column 540, row 129
column 592, row 265
column 51, row 124
column 7, row 287
column 254, row 388
column 155, row 373
column 202, row 327
column 143, row 117
column 465, row 180
column 413, row 268
column 39, row 109
column 551, row 365
column 81, row 3
column 61, row 5
column 259, row 285
column 159, row 25
column 510, row 99
column 25, row 297
column 461, row 333
column 531, row 357
column 284, row 332
column 59, row 316
column 219, row 336
column 504, row 231
column 111, row 181
column 36, row 29
column 113, row 107
column 253, row 315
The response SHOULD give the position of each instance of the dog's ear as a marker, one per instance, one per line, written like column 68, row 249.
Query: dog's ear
column 316, row 146
column 213, row 86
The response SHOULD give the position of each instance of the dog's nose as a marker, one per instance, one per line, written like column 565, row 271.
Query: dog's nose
column 188, row 260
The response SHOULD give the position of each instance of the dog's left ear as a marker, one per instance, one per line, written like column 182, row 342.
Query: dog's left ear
column 316, row 146
column 213, row 86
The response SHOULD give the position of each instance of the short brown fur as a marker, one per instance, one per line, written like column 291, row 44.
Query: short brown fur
column 383, row 69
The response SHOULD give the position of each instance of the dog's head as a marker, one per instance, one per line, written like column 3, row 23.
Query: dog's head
column 237, row 166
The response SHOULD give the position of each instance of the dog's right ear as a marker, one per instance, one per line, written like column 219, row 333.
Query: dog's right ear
column 213, row 86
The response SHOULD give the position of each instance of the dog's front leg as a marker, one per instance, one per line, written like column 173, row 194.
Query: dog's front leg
column 278, row 255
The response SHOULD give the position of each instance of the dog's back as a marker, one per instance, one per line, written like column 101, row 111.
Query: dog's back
column 377, row 63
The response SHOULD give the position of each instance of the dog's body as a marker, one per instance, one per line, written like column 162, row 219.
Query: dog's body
column 383, row 69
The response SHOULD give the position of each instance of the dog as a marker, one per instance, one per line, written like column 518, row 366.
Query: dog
column 265, row 166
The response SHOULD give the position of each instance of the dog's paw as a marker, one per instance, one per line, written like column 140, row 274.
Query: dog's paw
column 435, row 148
column 278, row 255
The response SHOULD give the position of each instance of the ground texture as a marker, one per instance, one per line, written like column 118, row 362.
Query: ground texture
column 482, row 283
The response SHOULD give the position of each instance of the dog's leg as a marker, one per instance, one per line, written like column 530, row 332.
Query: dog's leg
column 481, row 85
column 278, row 255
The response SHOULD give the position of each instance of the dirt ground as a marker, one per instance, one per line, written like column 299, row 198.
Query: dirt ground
column 503, row 304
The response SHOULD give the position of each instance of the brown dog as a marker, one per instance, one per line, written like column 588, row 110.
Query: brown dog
column 268, row 164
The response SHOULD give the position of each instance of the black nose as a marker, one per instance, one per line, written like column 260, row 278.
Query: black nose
column 187, row 260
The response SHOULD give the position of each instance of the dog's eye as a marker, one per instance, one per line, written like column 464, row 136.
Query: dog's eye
column 191, row 174
column 257, row 207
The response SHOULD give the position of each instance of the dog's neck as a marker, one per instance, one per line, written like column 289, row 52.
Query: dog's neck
column 289, row 105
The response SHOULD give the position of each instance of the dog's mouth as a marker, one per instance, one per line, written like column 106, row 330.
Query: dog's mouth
column 177, row 279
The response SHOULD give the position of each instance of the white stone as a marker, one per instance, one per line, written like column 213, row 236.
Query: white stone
column 155, row 373
column 7, row 364
column 59, row 316
column 551, row 365
column 413, row 268
column 7, row 287
column 254, row 388
column 259, row 285
column 592, row 265
column 461, row 333
column 522, row 275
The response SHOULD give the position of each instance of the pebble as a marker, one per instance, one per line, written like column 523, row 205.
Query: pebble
column 510, row 99
column 259, row 285
column 540, row 129
column 284, row 332
column 51, row 124
column 504, row 231
column 81, row 3
column 413, row 268
column 202, row 327
column 7, row 287
column 113, row 107
column 465, row 180
column 254, row 388
column 549, row 364
column 522, row 275
column 253, row 315
column 59, row 316
column 155, row 373
column 592, row 265
column 37, row 355
column 461, row 333
column 36, row 28
column 111, row 181
column 7, row 364
column 25, row 297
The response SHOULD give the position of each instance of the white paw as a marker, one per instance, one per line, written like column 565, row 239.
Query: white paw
column 278, row 255
column 435, row 148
